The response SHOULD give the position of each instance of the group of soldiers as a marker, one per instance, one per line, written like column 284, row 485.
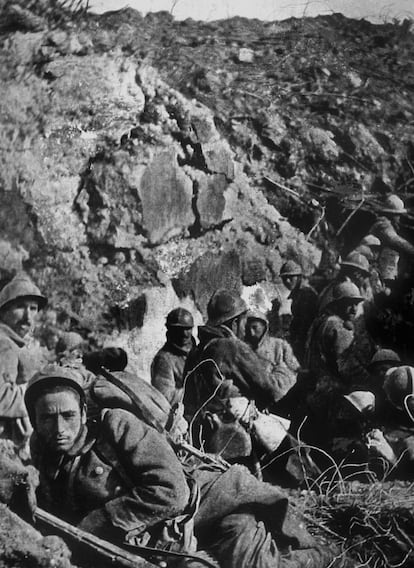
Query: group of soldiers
column 246, row 404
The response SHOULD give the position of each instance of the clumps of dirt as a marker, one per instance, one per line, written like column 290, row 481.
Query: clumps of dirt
column 21, row 545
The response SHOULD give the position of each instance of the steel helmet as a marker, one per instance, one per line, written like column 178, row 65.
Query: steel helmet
column 224, row 306
column 365, row 251
column 393, row 205
column 356, row 260
column 346, row 290
column 180, row 317
column 362, row 400
column 50, row 376
column 399, row 384
column 21, row 287
column 385, row 356
column 371, row 241
column 290, row 268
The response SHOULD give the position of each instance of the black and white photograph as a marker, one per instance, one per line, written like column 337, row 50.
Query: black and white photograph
column 206, row 284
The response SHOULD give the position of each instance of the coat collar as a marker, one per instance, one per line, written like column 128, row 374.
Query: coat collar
column 8, row 332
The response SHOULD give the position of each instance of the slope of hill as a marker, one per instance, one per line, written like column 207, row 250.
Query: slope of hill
column 146, row 161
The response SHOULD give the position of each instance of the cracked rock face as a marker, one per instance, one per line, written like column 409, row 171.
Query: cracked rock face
column 122, row 194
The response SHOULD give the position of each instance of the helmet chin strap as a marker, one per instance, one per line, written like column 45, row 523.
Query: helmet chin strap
column 408, row 396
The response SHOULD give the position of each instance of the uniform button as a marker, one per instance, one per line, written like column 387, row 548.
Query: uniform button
column 99, row 470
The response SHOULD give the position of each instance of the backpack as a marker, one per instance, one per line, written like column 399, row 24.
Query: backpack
column 125, row 390
column 128, row 392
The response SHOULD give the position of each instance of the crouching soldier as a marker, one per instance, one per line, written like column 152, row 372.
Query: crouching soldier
column 120, row 481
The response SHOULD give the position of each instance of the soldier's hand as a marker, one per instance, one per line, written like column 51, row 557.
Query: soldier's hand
column 378, row 445
column 98, row 523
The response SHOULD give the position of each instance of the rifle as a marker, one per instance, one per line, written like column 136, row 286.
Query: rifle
column 111, row 552
column 115, row 555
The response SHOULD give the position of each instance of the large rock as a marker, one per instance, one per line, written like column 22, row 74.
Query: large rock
column 166, row 196
column 211, row 200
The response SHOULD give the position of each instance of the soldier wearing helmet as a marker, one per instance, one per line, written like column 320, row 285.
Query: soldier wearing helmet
column 223, row 369
column 110, row 478
column 381, row 362
column 20, row 301
column 332, row 356
column 386, row 228
column 167, row 368
column 304, row 306
column 354, row 268
column 394, row 442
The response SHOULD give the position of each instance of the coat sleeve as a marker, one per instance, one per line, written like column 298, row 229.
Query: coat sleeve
column 342, row 353
column 162, row 376
column 159, row 490
column 388, row 236
column 11, row 394
column 336, row 340
column 239, row 362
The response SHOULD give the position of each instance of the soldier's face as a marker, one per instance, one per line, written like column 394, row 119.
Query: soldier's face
column 347, row 310
column 20, row 315
column 358, row 277
column 255, row 330
column 291, row 281
column 59, row 419
column 181, row 336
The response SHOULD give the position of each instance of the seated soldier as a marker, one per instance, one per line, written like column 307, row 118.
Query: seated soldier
column 277, row 355
column 116, row 481
column 394, row 441
column 333, row 360
column 225, row 380
column 304, row 306
column 167, row 368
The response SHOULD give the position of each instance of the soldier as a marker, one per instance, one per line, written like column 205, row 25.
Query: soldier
column 381, row 362
column 167, row 368
column 394, row 440
column 119, row 480
column 332, row 357
column 276, row 353
column 354, row 268
column 386, row 228
column 224, row 375
column 304, row 306
column 20, row 301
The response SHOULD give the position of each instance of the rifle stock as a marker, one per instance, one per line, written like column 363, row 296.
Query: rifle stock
column 111, row 552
